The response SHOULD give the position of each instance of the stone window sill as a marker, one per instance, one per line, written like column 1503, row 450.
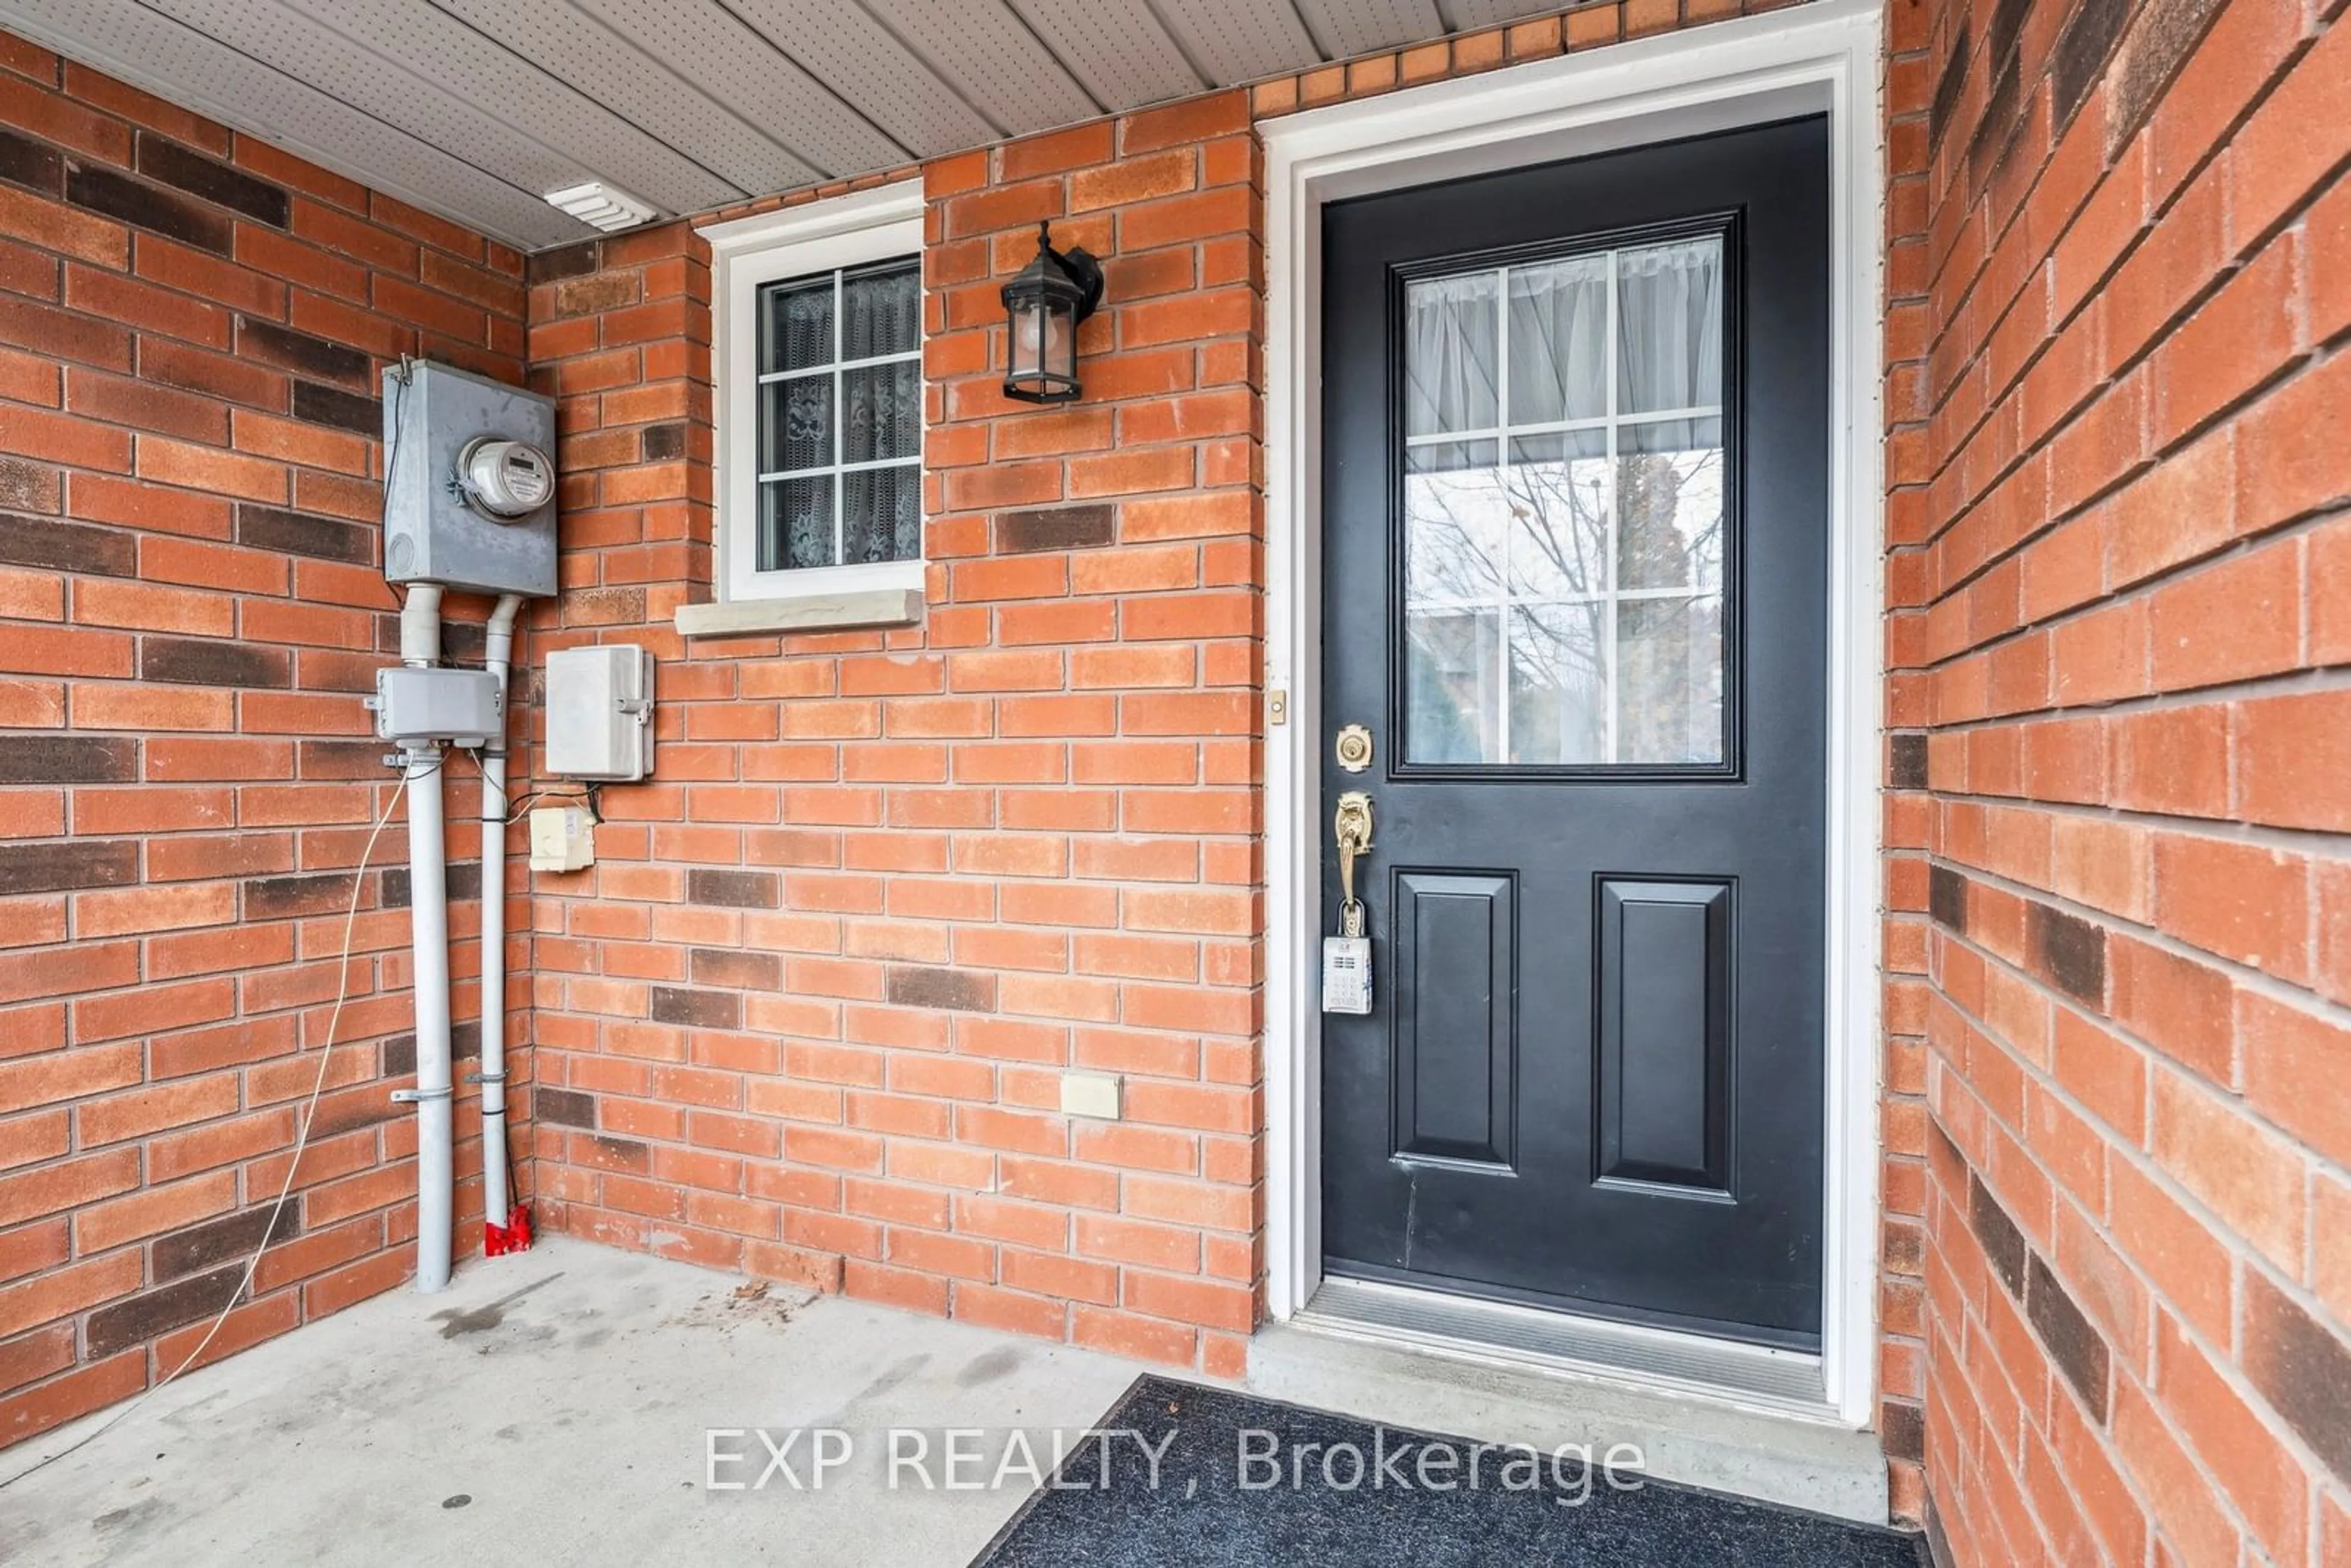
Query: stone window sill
column 823, row 612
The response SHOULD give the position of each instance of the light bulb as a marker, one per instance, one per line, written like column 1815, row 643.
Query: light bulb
column 1037, row 335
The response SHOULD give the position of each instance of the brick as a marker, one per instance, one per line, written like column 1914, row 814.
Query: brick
column 2069, row 950
column 2003, row 1245
column 303, row 353
column 1129, row 1334
column 564, row 1107
column 53, row 1403
column 1200, row 1302
column 2241, row 337
column 70, row 759
column 284, row 532
column 64, row 229
column 2247, row 1175
column 143, row 1317
column 1057, row 529
column 159, row 1108
column 62, row 1185
column 48, row 868
column 69, row 439
column 197, row 369
column 2074, row 1345
column 2303, row 1367
column 1192, row 120
column 168, row 462
column 2287, row 468
column 2285, row 1050
column 2286, row 750
column 115, row 195
column 66, row 547
column 740, row 889
column 195, row 662
column 322, row 404
column 2237, row 1447
column 700, row 1009
column 1135, row 178
column 2240, row 901
column 66, row 1291
column 1053, row 153
column 24, row 161
column 954, row 990
column 2237, row 618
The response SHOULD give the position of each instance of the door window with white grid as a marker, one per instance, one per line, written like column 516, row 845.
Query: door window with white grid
column 1564, row 511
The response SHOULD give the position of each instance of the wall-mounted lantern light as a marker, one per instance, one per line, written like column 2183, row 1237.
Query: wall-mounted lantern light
column 1043, row 304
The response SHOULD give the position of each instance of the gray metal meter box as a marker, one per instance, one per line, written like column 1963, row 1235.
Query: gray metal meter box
column 469, row 502
column 599, row 712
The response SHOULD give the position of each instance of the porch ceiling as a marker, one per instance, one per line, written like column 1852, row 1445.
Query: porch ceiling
column 476, row 109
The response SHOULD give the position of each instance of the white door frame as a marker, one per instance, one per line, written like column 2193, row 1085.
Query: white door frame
column 1819, row 56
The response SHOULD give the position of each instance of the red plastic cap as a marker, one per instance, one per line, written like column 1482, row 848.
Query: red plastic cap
column 514, row 1236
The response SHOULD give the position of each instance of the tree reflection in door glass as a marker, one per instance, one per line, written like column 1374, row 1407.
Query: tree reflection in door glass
column 1452, row 684
column 1559, row 683
column 1670, row 679
column 1669, row 497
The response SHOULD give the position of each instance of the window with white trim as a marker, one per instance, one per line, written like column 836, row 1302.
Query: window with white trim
column 818, row 339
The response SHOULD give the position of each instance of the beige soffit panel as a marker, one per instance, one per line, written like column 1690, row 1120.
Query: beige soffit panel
column 1348, row 28
column 704, row 43
column 429, row 43
column 1470, row 16
column 863, row 62
column 990, row 55
column 1242, row 40
column 1116, row 48
column 575, row 47
column 187, row 67
column 309, row 51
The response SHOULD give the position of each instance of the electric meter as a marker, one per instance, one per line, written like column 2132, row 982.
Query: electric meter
column 505, row 478
column 470, row 488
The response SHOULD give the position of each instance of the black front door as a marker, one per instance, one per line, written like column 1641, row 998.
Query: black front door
column 1575, row 569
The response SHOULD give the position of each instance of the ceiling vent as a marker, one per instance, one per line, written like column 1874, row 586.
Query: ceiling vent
column 601, row 206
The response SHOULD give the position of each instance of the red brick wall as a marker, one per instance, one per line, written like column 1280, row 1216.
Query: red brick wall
column 1903, row 1119
column 808, row 1015
column 191, row 324
column 2122, row 602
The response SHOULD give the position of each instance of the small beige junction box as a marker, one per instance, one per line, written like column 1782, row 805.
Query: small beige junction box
column 562, row 838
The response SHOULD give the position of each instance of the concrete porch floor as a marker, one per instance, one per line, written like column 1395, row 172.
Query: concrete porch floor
column 564, row 1394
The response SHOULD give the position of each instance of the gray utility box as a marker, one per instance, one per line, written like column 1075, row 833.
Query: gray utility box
column 432, row 533
column 421, row 706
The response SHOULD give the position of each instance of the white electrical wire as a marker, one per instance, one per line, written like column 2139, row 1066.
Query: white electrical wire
column 301, row 1141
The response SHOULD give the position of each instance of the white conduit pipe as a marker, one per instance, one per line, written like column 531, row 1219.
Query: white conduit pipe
column 497, row 1200
column 428, row 913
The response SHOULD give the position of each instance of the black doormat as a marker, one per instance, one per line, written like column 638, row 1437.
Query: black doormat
column 1243, row 1481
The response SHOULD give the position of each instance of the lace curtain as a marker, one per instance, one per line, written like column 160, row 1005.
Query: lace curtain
column 1669, row 339
column 833, row 410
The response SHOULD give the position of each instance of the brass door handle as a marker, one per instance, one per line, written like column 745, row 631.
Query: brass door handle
column 1352, row 825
